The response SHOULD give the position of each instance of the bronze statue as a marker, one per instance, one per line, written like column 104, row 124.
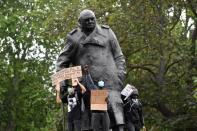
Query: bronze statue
column 97, row 46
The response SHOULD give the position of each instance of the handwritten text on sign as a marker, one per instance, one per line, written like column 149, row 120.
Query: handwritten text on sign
column 66, row 73
column 98, row 99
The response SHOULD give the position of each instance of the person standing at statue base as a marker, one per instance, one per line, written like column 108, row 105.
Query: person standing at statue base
column 133, row 112
column 100, row 118
column 74, row 107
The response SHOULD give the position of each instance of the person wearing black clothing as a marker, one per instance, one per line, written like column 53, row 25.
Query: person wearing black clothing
column 74, row 111
column 74, row 107
column 86, row 112
column 99, row 119
column 133, row 112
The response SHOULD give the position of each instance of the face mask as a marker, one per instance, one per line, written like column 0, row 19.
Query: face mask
column 101, row 84
column 135, row 101
column 70, row 91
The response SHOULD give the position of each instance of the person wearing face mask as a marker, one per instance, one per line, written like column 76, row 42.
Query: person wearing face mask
column 96, row 46
column 133, row 112
column 100, row 119
column 74, row 97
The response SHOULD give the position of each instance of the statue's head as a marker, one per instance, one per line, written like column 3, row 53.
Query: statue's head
column 87, row 20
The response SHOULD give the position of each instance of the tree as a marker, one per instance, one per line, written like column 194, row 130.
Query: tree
column 26, row 58
column 158, row 42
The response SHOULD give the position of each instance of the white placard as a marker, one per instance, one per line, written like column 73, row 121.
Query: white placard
column 127, row 90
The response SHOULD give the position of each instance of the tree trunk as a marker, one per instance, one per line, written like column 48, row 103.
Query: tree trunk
column 11, row 104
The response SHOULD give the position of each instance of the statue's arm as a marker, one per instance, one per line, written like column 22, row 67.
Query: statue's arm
column 63, row 61
column 65, row 56
column 118, row 55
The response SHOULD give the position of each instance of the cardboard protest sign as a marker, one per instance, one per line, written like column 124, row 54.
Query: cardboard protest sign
column 98, row 100
column 127, row 90
column 67, row 73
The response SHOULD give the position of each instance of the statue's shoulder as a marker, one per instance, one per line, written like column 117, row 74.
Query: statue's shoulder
column 105, row 27
column 74, row 35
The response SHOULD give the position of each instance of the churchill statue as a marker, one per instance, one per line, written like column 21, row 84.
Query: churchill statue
column 96, row 46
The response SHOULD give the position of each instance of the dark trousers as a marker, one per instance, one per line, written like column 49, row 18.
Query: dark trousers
column 131, row 127
column 100, row 121
column 118, row 128
column 74, row 126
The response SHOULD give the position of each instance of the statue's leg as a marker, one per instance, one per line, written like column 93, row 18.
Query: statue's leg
column 105, row 121
column 116, row 111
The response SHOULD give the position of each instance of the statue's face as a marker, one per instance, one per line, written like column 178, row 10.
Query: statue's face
column 88, row 23
column 87, row 20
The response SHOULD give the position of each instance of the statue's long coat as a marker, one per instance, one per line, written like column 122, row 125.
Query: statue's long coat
column 102, row 53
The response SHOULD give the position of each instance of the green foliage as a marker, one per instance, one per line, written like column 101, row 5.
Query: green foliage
column 154, row 38
column 26, row 98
